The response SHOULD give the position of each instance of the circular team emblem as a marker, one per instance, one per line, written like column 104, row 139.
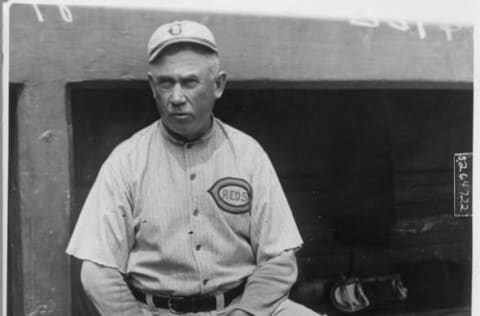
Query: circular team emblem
column 232, row 195
column 175, row 29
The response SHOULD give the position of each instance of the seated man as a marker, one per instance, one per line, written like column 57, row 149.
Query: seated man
column 187, row 216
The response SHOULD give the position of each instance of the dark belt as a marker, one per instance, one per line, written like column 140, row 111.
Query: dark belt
column 188, row 304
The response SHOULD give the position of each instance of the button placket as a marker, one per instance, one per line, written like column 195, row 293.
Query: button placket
column 194, row 231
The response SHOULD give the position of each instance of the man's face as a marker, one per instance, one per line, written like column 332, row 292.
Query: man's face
column 185, row 85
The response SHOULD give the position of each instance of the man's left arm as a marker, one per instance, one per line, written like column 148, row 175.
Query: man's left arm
column 268, row 286
column 274, row 237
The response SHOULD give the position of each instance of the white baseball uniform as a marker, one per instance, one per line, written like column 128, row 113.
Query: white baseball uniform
column 185, row 218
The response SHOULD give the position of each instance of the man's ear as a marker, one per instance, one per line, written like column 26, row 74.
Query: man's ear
column 151, row 82
column 220, row 83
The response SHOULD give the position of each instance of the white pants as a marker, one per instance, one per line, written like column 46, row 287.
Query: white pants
column 287, row 308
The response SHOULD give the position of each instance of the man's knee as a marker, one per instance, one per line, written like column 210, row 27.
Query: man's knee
column 288, row 308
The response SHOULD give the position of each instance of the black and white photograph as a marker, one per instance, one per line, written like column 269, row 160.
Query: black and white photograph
column 297, row 158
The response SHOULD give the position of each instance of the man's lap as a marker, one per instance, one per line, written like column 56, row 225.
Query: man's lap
column 290, row 308
column 287, row 308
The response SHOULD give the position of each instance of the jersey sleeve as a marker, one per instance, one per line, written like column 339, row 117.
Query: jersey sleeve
column 104, row 232
column 273, row 227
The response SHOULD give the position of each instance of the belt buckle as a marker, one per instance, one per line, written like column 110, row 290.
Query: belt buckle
column 170, row 307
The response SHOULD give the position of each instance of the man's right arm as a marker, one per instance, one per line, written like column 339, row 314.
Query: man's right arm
column 108, row 291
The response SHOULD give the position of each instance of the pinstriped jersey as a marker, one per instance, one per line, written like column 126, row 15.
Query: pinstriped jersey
column 185, row 218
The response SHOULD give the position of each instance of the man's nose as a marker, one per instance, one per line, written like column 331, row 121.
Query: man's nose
column 178, row 96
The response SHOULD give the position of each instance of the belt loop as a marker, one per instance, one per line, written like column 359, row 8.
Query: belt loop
column 220, row 301
column 149, row 300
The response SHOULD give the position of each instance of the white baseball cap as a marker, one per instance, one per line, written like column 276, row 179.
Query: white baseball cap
column 179, row 32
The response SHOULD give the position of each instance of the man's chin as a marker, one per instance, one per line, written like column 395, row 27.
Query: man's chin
column 180, row 131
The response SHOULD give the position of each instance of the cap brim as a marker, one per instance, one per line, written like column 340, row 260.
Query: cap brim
column 156, row 51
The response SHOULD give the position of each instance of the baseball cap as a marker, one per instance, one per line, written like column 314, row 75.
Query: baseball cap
column 179, row 32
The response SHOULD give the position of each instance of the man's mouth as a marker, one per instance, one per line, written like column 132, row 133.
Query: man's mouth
column 181, row 115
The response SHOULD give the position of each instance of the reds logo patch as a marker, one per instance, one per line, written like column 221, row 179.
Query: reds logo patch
column 233, row 195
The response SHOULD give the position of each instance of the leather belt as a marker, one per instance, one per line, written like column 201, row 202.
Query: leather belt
column 188, row 304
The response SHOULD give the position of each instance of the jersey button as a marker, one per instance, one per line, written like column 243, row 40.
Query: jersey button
column 198, row 247
column 190, row 232
column 196, row 212
column 205, row 282
column 189, row 146
column 192, row 176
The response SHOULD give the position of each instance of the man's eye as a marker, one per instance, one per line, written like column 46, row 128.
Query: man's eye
column 190, row 83
column 165, row 84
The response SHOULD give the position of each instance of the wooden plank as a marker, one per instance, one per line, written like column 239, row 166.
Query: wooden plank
column 424, row 188
column 453, row 252
column 424, row 231
column 423, row 199
column 424, row 192
column 110, row 44
column 43, row 179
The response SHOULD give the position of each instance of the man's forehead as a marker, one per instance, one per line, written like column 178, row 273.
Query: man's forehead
column 177, row 73
column 183, row 57
column 181, row 64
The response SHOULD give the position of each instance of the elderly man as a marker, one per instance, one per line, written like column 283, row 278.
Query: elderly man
column 187, row 216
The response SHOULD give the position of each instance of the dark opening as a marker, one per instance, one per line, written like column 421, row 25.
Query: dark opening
column 353, row 162
column 14, row 262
